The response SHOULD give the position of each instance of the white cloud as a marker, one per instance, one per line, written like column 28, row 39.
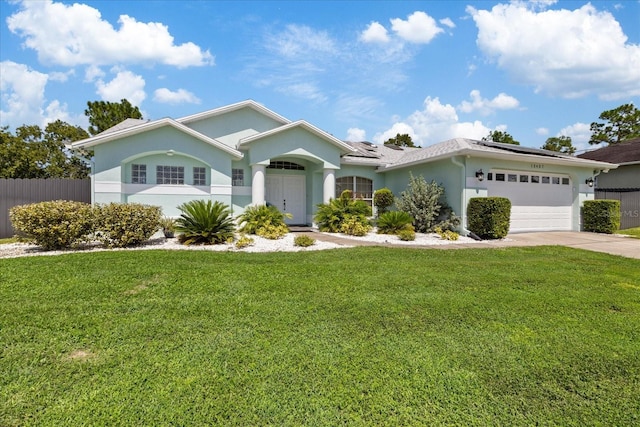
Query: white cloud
column 301, row 40
column 375, row 33
column 418, row 28
column 76, row 34
column 570, row 53
column 447, row 22
column 356, row 135
column 92, row 73
column 181, row 96
column 542, row 131
column 309, row 91
column 125, row 85
column 580, row 134
column 59, row 76
column 434, row 123
column 23, row 98
column 486, row 106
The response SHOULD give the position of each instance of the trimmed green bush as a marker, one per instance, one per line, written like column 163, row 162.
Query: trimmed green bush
column 272, row 231
column 382, row 199
column 205, row 223
column 53, row 225
column 601, row 216
column 303, row 241
column 355, row 225
column 119, row 225
column 394, row 221
column 489, row 217
column 446, row 234
column 330, row 216
column 407, row 234
column 244, row 241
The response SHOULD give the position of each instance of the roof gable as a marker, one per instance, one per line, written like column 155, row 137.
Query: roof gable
column 234, row 107
column 105, row 137
column 344, row 147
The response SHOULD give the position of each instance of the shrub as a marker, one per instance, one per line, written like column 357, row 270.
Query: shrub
column 601, row 216
column 304, row 241
column 407, row 234
column 256, row 217
column 204, row 223
column 489, row 217
column 119, row 225
column 53, row 225
column 394, row 221
column 446, row 234
column 426, row 204
column 355, row 225
column 244, row 241
column 330, row 216
column 382, row 199
column 272, row 231
column 168, row 226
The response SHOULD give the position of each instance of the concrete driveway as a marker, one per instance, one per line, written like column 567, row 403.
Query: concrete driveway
column 614, row 244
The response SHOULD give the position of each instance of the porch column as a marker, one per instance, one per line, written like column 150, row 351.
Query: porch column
column 328, row 185
column 257, row 184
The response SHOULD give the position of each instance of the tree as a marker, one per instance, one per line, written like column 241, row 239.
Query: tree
column 623, row 124
column 33, row 153
column 104, row 114
column 561, row 144
column 403, row 140
column 499, row 136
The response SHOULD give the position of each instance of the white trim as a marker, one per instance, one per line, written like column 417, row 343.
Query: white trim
column 160, row 190
column 107, row 187
column 244, row 190
column 219, row 189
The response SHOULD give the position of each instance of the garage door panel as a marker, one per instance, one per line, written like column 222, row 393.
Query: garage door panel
column 536, row 206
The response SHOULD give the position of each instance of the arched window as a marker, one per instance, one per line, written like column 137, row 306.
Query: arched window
column 362, row 188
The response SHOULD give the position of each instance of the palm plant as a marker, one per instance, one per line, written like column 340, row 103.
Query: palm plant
column 256, row 217
column 204, row 222
column 330, row 216
column 394, row 221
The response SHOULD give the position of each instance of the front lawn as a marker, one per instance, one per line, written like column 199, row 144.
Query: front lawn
column 633, row 232
column 362, row 336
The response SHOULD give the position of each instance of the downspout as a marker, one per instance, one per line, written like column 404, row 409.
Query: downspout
column 463, row 208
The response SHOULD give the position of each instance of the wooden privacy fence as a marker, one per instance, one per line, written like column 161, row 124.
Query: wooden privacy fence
column 629, row 204
column 14, row 192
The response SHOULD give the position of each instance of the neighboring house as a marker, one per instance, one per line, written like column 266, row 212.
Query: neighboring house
column 245, row 154
column 623, row 183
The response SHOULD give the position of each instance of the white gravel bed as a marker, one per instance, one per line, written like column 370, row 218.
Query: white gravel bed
column 430, row 239
column 14, row 250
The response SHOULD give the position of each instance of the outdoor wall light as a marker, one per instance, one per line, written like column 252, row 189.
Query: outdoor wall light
column 170, row 153
column 589, row 182
column 480, row 175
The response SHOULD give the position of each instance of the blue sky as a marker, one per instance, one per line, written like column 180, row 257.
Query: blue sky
column 360, row 70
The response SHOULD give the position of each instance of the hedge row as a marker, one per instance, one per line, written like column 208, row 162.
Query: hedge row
column 64, row 224
column 601, row 216
column 489, row 217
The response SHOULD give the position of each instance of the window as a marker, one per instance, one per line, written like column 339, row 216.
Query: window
column 555, row 179
column 500, row 177
column 237, row 177
column 170, row 175
column 138, row 174
column 490, row 176
column 285, row 166
column 524, row 178
column 535, row 179
column 565, row 181
column 362, row 188
column 513, row 177
column 545, row 180
column 199, row 176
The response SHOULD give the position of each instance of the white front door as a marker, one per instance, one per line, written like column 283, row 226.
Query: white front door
column 287, row 193
column 539, row 201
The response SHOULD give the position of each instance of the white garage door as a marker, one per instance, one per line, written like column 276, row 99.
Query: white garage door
column 539, row 202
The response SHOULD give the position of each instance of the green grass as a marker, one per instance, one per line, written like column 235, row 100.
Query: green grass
column 362, row 336
column 633, row 232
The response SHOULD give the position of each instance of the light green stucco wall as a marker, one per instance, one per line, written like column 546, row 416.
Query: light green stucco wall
column 229, row 128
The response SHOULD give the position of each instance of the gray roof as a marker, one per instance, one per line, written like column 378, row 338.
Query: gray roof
column 398, row 157
column 125, row 124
